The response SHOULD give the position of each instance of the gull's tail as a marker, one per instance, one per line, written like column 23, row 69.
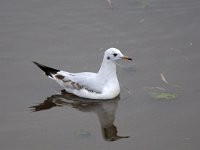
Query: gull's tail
column 47, row 70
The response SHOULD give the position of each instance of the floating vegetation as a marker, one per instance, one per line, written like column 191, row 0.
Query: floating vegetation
column 163, row 78
column 156, row 87
column 162, row 95
column 144, row 3
column 165, row 81
column 110, row 4
column 82, row 133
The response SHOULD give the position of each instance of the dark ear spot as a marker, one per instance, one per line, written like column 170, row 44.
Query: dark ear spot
column 108, row 57
column 115, row 54
column 60, row 77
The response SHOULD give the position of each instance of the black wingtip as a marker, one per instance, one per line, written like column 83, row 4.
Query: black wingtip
column 48, row 70
column 37, row 64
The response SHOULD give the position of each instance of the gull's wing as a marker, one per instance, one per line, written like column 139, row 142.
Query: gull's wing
column 77, row 80
column 71, row 80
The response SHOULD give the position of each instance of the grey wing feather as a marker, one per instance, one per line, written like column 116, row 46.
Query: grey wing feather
column 78, row 80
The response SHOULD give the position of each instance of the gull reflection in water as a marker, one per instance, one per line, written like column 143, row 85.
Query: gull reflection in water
column 105, row 110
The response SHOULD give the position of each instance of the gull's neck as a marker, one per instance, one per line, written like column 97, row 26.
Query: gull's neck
column 107, row 69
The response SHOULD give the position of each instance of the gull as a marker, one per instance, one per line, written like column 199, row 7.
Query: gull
column 101, row 85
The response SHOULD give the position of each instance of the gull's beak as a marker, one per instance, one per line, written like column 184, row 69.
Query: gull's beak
column 126, row 58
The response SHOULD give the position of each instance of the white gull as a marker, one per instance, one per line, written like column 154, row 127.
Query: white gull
column 101, row 85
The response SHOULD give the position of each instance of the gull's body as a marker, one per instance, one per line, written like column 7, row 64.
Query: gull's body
column 101, row 85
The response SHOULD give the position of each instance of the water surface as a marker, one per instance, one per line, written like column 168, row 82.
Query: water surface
column 161, row 35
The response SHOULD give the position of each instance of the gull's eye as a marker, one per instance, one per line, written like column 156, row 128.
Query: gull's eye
column 115, row 54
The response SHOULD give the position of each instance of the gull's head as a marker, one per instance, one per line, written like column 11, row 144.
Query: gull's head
column 113, row 54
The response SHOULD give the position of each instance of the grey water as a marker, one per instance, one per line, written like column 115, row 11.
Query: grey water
column 162, row 36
